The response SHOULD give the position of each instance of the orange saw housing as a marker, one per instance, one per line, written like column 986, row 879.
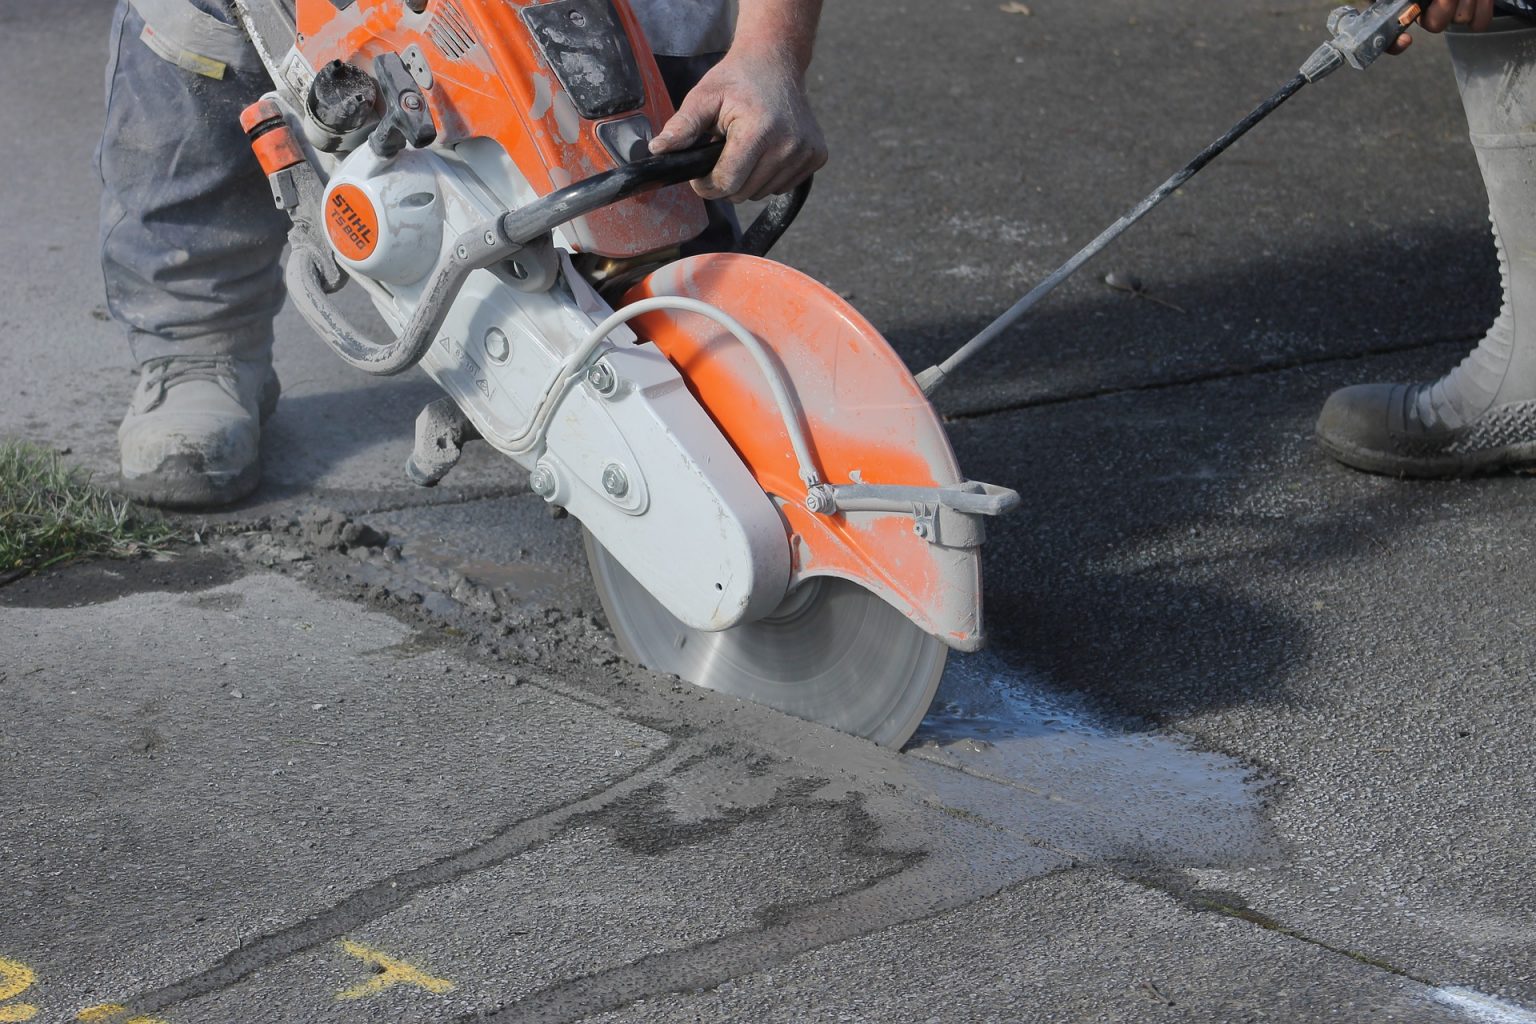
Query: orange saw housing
column 866, row 419
column 541, row 79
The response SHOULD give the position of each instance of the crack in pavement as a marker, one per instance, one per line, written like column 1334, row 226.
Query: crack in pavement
column 396, row 890
column 927, row 890
column 1195, row 899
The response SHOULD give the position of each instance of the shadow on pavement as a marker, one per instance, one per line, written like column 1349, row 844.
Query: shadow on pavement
column 1177, row 549
column 1177, row 514
column 1270, row 311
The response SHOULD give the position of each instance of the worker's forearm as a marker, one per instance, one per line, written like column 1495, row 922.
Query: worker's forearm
column 783, row 26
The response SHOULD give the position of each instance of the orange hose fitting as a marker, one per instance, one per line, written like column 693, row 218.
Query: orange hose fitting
column 271, row 139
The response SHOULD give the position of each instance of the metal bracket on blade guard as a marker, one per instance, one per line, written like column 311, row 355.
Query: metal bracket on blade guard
column 950, row 517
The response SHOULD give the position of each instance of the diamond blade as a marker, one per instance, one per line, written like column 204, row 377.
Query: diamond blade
column 832, row 653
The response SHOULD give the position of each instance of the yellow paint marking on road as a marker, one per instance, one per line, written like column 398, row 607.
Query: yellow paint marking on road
column 99, row 1014
column 391, row 972
column 110, row 1012
column 15, row 978
column 104, row 1012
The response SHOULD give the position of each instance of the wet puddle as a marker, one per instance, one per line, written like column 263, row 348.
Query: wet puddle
column 1074, row 778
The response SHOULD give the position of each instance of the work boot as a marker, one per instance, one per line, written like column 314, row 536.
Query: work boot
column 1481, row 416
column 192, row 436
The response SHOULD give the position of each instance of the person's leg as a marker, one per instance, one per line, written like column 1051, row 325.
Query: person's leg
column 723, row 233
column 1482, row 415
column 190, row 244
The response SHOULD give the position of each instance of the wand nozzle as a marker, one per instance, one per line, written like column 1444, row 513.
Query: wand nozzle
column 1359, row 37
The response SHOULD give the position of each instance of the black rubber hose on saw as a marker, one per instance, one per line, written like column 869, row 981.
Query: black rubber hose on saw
column 777, row 216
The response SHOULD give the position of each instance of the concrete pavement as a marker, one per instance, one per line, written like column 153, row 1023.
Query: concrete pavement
column 203, row 828
column 1252, row 742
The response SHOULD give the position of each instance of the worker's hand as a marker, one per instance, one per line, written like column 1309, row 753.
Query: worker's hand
column 756, row 99
column 1442, row 14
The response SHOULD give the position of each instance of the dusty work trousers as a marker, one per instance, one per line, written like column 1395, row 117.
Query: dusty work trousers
column 190, row 239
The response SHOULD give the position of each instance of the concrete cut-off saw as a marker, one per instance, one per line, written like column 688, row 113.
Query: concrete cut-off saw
column 771, row 506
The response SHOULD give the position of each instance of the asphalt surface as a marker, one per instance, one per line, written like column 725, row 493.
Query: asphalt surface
column 1252, row 741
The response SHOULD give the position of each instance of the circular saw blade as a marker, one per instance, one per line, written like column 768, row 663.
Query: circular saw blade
column 832, row 653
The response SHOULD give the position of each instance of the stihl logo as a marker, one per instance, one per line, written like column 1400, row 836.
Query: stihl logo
column 356, row 228
column 351, row 223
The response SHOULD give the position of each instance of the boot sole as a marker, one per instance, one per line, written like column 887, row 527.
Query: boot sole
column 1514, row 459
column 190, row 490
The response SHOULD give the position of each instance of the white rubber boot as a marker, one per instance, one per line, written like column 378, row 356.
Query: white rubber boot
column 192, row 436
column 1481, row 416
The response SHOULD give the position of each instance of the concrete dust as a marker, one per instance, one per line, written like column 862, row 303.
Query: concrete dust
column 526, row 582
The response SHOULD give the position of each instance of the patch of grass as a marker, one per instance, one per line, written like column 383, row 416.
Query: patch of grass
column 50, row 513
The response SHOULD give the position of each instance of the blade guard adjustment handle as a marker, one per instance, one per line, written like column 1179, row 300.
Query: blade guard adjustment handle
column 276, row 149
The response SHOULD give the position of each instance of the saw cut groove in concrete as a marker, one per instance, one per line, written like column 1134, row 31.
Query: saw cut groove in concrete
column 929, row 889
column 1230, row 905
column 1475, row 1005
column 462, row 497
column 395, row 891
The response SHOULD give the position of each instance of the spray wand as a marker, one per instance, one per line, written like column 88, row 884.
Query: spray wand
column 1358, row 38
